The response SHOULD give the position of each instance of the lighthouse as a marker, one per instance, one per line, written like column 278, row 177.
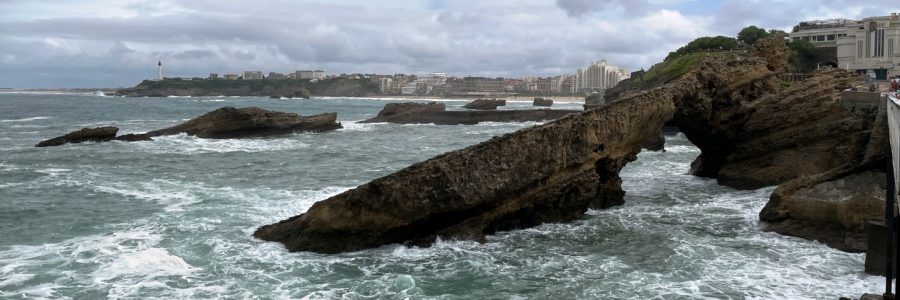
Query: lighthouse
column 159, row 70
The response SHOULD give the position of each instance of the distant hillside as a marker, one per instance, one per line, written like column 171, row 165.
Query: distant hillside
column 265, row 87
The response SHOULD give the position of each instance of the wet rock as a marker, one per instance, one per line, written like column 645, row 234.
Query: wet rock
column 832, row 208
column 133, row 137
column 230, row 122
column 542, row 102
column 435, row 113
column 485, row 104
column 547, row 173
column 98, row 134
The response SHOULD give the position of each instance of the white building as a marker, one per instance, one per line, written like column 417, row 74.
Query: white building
column 253, row 75
column 424, row 85
column 309, row 74
column 870, row 45
column 598, row 77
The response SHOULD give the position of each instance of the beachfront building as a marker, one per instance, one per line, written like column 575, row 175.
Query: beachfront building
column 213, row 76
column 424, row 85
column 274, row 75
column 310, row 74
column 869, row 46
column 253, row 75
column 598, row 77
column 231, row 76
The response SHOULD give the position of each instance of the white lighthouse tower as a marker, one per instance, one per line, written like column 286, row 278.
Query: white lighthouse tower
column 159, row 70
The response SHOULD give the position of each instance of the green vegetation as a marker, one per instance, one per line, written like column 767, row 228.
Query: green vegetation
column 218, row 84
column 804, row 56
column 721, row 43
column 669, row 69
column 751, row 34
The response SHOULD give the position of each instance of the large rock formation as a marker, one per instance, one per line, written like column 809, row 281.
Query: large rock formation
column 485, row 104
column 547, row 173
column 98, row 134
column 230, row 122
column 752, row 130
column 436, row 113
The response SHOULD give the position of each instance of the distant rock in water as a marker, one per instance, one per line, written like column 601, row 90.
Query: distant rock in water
column 542, row 102
column 436, row 113
column 230, row 122
column 134, row 137
column 98, row 134
column 485, row 104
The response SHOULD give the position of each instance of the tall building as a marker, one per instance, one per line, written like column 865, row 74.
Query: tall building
column 384, row 85
column 424, row 85
column 599, row 76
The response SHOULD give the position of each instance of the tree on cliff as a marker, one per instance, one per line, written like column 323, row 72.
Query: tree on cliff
column 750, row 34
column 803, row 57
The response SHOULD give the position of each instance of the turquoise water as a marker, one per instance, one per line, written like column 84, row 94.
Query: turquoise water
column 173, row 218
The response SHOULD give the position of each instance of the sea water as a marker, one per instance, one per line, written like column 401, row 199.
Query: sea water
column 173, row 218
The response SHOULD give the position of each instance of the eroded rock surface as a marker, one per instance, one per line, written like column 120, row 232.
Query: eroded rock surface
column 98, row 134
column 548, row 173
column 230, row 122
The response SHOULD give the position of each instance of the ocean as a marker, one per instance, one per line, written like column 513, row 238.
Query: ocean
column 173, row 218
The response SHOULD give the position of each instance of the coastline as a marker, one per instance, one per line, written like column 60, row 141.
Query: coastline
column 559, row 99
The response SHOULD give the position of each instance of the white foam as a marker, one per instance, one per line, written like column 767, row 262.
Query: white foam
column 182, row 143
column 175, row 196
column 357, row 126
column 148, row 263
column 25, row 119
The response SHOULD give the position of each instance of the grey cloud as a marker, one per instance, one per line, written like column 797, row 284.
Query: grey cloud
column 577, row 8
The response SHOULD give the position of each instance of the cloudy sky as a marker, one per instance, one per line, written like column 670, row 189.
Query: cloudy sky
column 111, row 43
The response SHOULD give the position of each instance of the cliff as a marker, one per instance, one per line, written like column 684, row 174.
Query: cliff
column 263, row 88
column 751, row 129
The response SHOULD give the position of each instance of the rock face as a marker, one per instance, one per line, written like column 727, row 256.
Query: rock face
column 752, row 132
column 485, row 104
column 547, row 173
column 833, row 208
column 230, row 122
column 436, row 113
column 542, row 102
column 98, row 134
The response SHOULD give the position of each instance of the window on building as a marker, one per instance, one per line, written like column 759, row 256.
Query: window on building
column 829, row 37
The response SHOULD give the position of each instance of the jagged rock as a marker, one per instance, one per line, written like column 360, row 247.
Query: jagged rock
column 230, row 122
column 98, row 134
column 134, row 137
column 750, row 130
column 436, row 113
column 832, row 207
column 655, row 143
column 593, row 100
column 547, row 173
column 542, row 102
column 485, row 104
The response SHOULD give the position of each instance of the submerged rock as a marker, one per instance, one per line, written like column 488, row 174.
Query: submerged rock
column 485, row 104
column 98, row 134
column 134, row 137
column 436, row 113
column 542, row 102
column 230, row 122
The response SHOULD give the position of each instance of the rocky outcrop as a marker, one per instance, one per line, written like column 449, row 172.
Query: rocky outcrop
column 436, row 113
column 832, row 207
column 547, row 173
column 485, row 104
column 230, row 122
column 98, row 134
column 542, row 102
column 752, row 132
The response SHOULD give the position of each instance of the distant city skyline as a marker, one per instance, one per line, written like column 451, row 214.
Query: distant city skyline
column 106, row 43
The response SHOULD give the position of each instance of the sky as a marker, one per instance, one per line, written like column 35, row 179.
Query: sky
column 117, row 43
